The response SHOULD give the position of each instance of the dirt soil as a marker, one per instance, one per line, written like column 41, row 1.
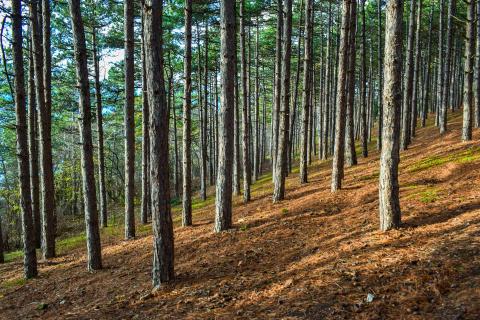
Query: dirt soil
column 316, row 255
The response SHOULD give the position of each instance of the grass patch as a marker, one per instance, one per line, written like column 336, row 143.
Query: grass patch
column 374, row 175
column 13, row 283
column 465, row 156
column 429, row 196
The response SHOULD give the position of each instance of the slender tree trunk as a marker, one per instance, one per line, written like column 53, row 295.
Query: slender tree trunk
column 146, row 199
column 278, row 85
column 380, row 74
column 416, row 71
column 94, row 256
column 447, row 70
column 427, row 97
column 408, row 84
column 46, row 167
column 101, row 152
column 326, row 103
column 440, row 62
column 341, row 100
column 33, row 150
column 363, row 89
column 28, row 235
column 187, row 119
column 350, row 153
column 2, row 258
column 477, row 68
column 256, row 148
column 469, row 65
column 236, row 133
column 245, row 100
column 223, row 216
column 307, row 62
column 389, row 205
column 176, row 173
column 129, row 113
column 163, row 246
column 284, row 115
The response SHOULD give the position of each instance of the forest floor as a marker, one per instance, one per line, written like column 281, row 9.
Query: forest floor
column 316, row 255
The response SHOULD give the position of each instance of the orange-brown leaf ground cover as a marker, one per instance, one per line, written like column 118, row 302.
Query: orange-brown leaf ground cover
column 316, row 255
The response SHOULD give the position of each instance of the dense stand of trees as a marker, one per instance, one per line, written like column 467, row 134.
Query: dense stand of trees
column 212, row 93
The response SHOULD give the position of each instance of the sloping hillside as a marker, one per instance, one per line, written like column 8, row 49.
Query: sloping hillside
column 316, row 255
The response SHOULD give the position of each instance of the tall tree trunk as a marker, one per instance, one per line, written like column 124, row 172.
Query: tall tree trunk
column 307, row 62
column 477, row 68
column 408, row 84
column 284, row 115
column 176, row 171
column 33, row 150
column 350, row 153
column 129, row 113
column 236, row 133
column 363, row 89
column 469, row 65
column 341, row 100
column 440, row 62
column 46, row 167
column 163, row 247
column 2, row 258
column 326, row 103
column 101, row 152
column 427, row 101
column 416, row 72
column 278, row 85
column 447, row 70
column 187, row 119
column 223, row 206
column 146, row 199
column 28, row 235
column 94, row 255
column 380, row 74
column 245, row 100
column 389, row 205
column 256, row 148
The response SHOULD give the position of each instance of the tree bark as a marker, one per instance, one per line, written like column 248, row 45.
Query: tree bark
column 307, row 62
column 28, row 235
column 101, row 152
column 408, row 84
column 284, row 115
column 363, row 89
column 94, row 255
column 477, row 68
column 223, row 206
column 163, row 246
column 187, row 119
column 46, row 167
column 469, row 61
column 129, row 113
column 350, row 153
column 380, row 75
column 33, row 150
column 416, row 71
column 447, row 69
column 278, row 84
column 245, row 109
column 389, row 205
column 341, row 100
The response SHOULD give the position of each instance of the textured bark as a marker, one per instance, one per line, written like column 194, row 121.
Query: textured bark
column 350, row 153
column 284, row 115
column 256, row 147
column 469, row 65
column 408, row 84
column 236, row 130
column 163, row 247
column 146, row 199
column 2, row 258
column 416, row 71
column 341, row 100
column 223, row 202
column 477, row 69
column 427, row 97
column 94, row 255
column 363, row 89
column 33, row 151
column 101, row 153
column 45, row 142
column 440, row 62
column 245, row 108
column 447, row 69
column 380, row 74
column 326, row 103
column 307, row 62
column 389, row 205
column 187, row 119
column 28, row 235
column 277, row 85
column 129, row 120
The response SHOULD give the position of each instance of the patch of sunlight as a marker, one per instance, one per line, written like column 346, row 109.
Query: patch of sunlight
column 465, row 156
